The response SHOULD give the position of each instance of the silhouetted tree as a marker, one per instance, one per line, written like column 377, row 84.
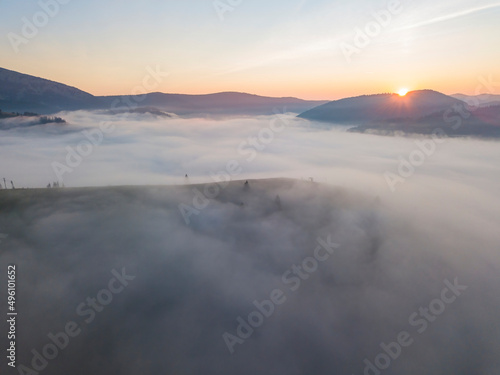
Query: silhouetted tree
column 278, row 201
column 47, row 120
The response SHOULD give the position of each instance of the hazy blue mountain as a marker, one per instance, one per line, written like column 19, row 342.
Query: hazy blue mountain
column 21, row 92
column 225, row 103
column 420, row 112
column 482, row 100
column 381, row 107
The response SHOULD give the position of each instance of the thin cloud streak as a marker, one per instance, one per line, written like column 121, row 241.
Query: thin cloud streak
column 450, row 16
column 304, row 51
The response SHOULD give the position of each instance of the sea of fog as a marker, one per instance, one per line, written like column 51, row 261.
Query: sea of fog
column 345, row 253
column 134, row 149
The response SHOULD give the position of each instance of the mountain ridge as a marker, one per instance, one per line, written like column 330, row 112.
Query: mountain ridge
column 22, row 92
column 381, row 107
column 417, row 112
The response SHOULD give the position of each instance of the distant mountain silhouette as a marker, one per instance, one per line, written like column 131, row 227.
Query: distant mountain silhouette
column 418, row 112
column 20, row 92
column 381, row 107
column 482, row 100
column 225, row 103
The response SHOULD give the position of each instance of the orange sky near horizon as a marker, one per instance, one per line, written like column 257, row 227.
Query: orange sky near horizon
column 100, row 84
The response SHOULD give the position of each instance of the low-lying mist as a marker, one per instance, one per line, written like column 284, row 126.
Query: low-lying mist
column 343, row 254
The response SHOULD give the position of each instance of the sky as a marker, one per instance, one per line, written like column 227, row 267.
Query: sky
column 279, row 48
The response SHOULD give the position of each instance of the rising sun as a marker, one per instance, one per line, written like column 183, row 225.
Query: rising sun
column 403, row 92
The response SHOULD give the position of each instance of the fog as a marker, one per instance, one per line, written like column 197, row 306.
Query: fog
column 374, row 243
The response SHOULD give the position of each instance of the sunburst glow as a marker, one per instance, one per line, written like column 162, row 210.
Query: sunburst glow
column 403, row 92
